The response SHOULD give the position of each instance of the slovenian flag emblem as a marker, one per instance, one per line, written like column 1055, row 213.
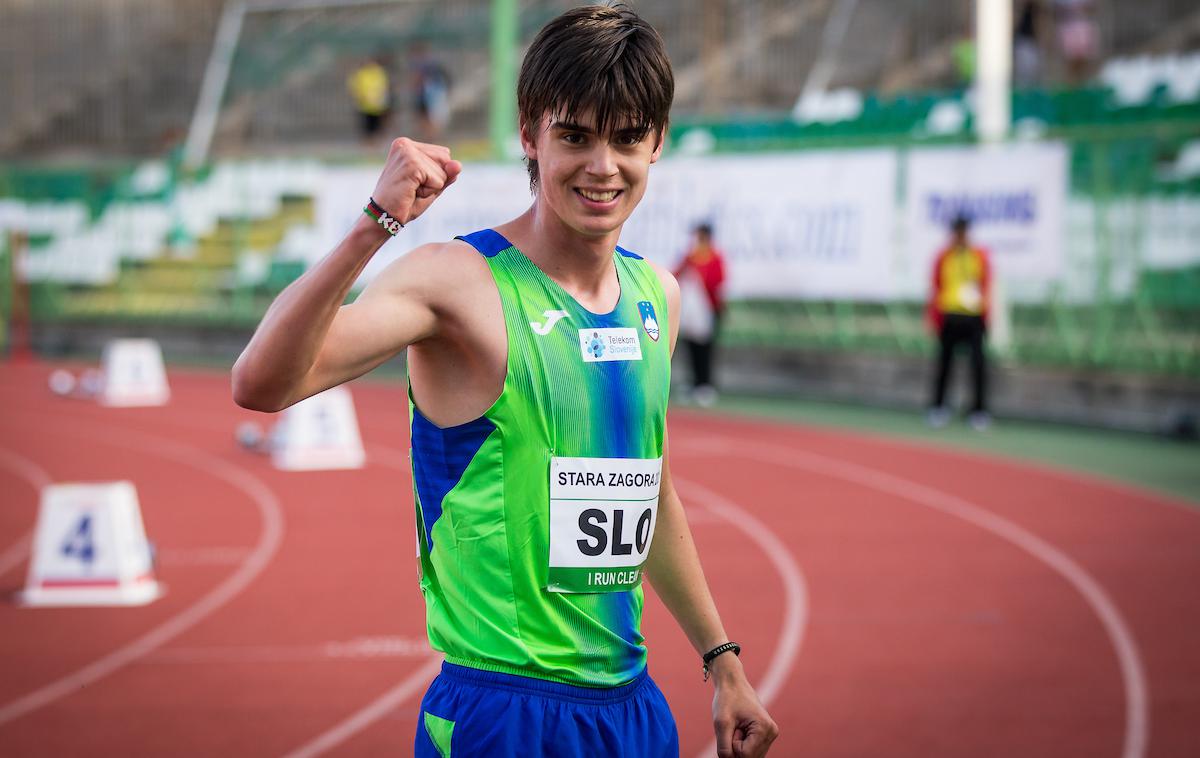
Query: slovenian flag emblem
column 649, row 320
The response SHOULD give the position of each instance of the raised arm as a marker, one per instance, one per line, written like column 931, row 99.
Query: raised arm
column 308, row 341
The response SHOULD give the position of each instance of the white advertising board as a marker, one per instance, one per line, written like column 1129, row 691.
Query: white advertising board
column 792, row 225
column 1015, row 196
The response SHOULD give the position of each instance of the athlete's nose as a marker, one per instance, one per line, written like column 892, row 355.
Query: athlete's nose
column 602, row 161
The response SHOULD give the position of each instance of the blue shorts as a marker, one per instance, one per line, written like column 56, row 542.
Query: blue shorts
column 470, row 712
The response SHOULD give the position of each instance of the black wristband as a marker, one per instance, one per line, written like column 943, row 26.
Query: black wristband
column 719, row 650
column 390, row 223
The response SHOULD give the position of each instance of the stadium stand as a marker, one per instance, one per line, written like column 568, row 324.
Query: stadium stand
column 137, row 240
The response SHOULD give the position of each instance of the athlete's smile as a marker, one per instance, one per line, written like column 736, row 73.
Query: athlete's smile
column 598, row 197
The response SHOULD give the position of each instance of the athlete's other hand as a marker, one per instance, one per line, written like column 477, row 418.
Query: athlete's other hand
column 415, row 175
column 743, row 726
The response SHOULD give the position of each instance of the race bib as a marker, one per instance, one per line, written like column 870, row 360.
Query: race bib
column 602, row 517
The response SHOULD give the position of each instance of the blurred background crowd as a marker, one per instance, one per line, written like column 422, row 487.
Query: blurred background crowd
column 167, row 168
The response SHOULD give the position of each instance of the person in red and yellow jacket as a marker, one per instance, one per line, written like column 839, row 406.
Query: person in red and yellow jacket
column 958, row 311
column 701, row 276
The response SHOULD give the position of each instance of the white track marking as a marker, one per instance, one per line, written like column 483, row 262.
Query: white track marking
column 795, row 590
column 795, row 614
column 202, row 556
column 393, row 458
column 380, row 707
column 37, row 477
column 1137, row 717
column 15, row 554
column 358, row 649
column 270, row 537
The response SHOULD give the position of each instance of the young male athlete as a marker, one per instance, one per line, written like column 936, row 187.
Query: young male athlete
column 539, row 360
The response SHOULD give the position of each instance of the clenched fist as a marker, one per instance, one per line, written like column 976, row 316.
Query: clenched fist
column 415, row 175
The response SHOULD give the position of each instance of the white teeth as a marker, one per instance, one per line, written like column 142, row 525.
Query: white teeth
column 599, row 197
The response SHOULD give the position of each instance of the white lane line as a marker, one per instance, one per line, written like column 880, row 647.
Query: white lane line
column 15, row 554
column 202, row 556
column 393, row 458
column 1086, row 477
column 377, row 709
column 795, row 589
column 795, row 616
column 270, row 537
column 1133, row 676
column 358, row 649
column 37, row 477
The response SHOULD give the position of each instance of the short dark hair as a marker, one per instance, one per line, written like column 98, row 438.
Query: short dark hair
column 960, row 223
column 596, row 58
column 704, row 229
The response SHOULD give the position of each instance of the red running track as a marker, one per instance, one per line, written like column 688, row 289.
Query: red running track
column 893, row 599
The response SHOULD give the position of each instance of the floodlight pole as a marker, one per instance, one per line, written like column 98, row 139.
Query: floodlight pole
column 993, row 69
column 220, row 61
column 832, row 37
column 212, row 90
column 502, row 113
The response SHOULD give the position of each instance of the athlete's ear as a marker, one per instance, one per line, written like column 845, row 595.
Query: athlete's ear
column 659, row 144
column 528, row 143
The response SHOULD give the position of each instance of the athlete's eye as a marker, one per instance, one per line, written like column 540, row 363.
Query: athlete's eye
column 573, row 138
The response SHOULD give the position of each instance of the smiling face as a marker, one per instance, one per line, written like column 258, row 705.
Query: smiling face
column 594, row 96
column 591, row 181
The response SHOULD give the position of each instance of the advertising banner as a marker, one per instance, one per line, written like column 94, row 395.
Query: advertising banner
column 1015, row 196
column 817, row 225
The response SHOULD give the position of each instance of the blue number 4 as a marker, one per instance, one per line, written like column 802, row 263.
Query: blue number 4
column 79, row 544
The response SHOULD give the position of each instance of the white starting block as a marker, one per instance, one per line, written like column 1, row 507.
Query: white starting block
column 318, row 433
column 133, row 374
column 90, row 548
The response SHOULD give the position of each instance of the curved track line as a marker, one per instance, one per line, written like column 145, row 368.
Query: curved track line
column 380, row 707
column 269, row 540
column 38, row 478
column 393, row 698
column 790, row 639
column 1133, row 676
column 795, row 590
column 1087, row 478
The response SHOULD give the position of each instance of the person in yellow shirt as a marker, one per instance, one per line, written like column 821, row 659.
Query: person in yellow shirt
column 958, row 312
column 371, row 89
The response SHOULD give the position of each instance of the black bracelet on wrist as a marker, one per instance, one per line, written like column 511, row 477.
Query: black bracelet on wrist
column 390, row 223
column 718, row 650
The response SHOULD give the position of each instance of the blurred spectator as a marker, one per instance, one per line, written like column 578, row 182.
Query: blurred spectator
column 1077, row 38
column 370, row 87
column 958, row 310
column 431, row 92
column 701, row 276
column 1027, row 53
column 962, row 55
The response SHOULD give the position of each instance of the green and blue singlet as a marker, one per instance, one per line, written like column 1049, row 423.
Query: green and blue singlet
column 534, row 519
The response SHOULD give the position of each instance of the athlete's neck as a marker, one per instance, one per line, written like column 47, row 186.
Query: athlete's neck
column 582, row 265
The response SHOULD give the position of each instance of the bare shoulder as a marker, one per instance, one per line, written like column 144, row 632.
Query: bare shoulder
column 671, row 293
column 670, row 285
column 434, row 264
column 436, row 274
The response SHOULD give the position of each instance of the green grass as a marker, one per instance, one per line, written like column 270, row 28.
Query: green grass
column 1168, row 466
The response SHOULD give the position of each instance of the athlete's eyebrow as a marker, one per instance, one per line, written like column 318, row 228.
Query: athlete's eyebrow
column 633, row 131
column 628, row 131
column 570, row 126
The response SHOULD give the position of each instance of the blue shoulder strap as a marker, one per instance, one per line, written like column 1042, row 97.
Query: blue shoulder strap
column 488, row 242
